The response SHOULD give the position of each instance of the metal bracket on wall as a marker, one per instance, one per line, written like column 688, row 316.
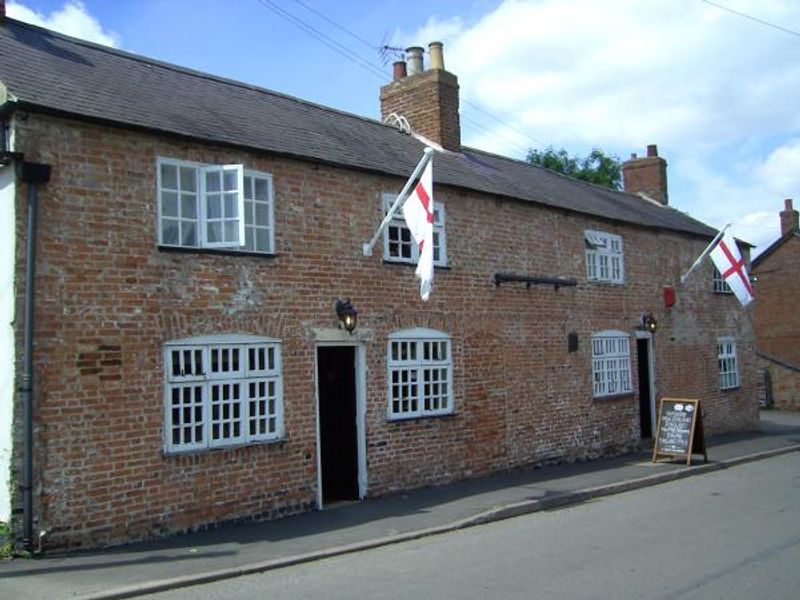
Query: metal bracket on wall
column 529, row 280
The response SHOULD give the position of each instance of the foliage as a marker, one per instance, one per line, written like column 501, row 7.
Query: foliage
column 6, row 545
column 598, row 167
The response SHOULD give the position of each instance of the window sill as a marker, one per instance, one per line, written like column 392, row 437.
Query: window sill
column 613, row 397
column 731, row 389
column 607, row 283
column 421, row 417
column 214, row 251
column 723, row 293
column 403, row 263
column 198, row 451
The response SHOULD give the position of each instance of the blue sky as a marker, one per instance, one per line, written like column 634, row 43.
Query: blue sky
column 716, row 91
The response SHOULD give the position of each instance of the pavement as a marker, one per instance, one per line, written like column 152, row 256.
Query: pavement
column 246, row 548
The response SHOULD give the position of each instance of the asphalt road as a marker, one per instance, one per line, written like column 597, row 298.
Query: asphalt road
column 732, row 534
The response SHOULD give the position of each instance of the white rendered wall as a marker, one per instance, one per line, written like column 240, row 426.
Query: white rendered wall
column 7, row 250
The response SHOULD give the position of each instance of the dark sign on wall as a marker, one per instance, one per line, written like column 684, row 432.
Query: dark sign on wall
column 680, row 430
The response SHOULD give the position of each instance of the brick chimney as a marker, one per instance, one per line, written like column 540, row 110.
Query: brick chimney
column 647, row 175
column 2, row 8
column 790, row 218
column 428, row 99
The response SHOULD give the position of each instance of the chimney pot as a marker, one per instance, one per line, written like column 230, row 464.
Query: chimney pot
column 633, row 156
column 436, row 55
column 790, row 218
column 652, row 150
column 399, row 71
column 414, row 54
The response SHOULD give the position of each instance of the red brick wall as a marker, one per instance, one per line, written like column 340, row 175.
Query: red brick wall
column 777, row 289
column 784, row 384
column 108, row 299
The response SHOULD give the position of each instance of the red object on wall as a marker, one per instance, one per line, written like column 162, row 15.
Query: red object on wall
column 669, row 297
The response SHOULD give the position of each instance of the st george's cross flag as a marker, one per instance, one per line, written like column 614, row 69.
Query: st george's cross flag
column 418, row 213
column 729, row 261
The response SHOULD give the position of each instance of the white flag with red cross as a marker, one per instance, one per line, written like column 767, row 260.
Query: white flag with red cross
column 418, row 213
column 729, row 261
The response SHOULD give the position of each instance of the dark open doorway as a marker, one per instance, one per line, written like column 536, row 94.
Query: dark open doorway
column 336, row 377
column 645, row 401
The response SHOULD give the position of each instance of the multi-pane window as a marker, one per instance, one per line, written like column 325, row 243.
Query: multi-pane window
column 214, row 206
column 420, row 373
column 726, row 363
column 720, row 285
column 611, row 363
column 399, row 244
column 605, row 260
column 222, row 391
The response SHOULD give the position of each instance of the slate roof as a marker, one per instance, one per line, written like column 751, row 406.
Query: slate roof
column 46, row 71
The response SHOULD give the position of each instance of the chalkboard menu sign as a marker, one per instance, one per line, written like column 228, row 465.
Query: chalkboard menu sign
column 680, row 429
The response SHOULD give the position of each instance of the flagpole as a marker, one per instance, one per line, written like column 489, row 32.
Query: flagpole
column 705, row 253
column 426, row 158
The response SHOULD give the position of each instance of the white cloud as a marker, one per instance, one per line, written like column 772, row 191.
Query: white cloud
column 71, row 19
column 718, row 93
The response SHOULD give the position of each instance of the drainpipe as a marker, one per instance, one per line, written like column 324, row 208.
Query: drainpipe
column 34, row 174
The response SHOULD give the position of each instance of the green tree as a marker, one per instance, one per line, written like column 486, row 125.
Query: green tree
column 598, row 167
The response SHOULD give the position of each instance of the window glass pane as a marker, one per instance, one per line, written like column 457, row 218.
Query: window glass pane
column 169, row 177
column 213, row 206
column 188, row 206
column 188, row 234
column 262, row 214
column 169, row 204
column 231, row 231
column 262, row 240
column 188, row 179
column 230, row 180
column 231, row 205
column 169, row 232
column 214, row 232
column 213, row 183
column 262, row 190
column 248, row 186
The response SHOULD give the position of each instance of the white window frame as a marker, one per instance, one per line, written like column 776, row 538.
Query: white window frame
column 238, row 402
column 727, row 363
column 419, row 374
column 243, row 237
column 605, row 257
column 720, row 285
column 397, row 227
column 611, row 364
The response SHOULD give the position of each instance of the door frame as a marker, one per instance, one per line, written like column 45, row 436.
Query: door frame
column 360, row 367
column 651, row 371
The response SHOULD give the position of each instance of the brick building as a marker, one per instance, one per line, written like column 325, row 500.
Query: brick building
column 777, row 323
column 182, row 378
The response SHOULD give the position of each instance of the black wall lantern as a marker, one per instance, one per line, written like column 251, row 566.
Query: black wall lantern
column 649, row 322
column 347, row 314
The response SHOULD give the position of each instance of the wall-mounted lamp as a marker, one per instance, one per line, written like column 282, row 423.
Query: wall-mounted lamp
column 347, row 314
column 649, row 322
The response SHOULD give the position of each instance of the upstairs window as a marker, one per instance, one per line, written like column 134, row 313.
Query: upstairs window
column 605, row 260
column 611, row 363
column 720, row 285
column 222, row 391
column 420, row 374
column 214, row 206
column 726, row 363
column 399, row 245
